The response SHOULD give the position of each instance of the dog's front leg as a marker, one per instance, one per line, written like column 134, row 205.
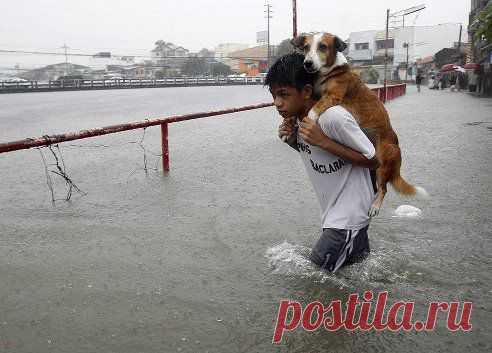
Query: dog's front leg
column 323, row 105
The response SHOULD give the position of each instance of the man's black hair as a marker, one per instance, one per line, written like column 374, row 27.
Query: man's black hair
column 289, row 71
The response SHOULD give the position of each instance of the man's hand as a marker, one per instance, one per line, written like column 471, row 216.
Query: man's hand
column 286, row 128
column 311, row 132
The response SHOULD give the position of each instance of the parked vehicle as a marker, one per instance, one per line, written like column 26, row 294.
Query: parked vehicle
column 16, row 81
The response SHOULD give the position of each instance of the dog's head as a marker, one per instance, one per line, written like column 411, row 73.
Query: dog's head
column 320, row 49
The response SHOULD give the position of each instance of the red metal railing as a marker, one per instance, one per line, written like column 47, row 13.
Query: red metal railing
column 392, row 92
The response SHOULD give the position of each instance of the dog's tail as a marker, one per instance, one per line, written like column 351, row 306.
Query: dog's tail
column 407, row 189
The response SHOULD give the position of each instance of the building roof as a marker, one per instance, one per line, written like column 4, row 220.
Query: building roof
column 426, row 60
column 62, row 66
column 259, row 52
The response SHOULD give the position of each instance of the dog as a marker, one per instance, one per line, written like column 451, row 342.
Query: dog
column 336, row 84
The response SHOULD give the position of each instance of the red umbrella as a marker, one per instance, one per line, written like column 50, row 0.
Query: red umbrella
column 448, row 67
column 472, row 66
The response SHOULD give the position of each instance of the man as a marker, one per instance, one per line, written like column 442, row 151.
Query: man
column 336, row 154
column 418, row 81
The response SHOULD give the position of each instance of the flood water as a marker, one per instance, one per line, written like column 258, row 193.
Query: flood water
column 198, row 260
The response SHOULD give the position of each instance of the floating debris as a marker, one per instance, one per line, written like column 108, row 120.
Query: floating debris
column 407, row 211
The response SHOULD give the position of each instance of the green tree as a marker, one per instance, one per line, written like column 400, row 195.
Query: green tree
column 194, row 66
column 484, row 29
column 285, row 47
column 160, row 74
column 220, row 69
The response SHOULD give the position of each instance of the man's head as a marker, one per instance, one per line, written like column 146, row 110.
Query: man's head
column 320, row 49
column 290, row 85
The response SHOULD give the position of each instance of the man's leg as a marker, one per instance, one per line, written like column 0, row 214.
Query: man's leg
column 335, row 246
column 361, row 248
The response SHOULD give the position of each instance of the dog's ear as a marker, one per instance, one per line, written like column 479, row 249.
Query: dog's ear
column 298, row 42
column 340, row 45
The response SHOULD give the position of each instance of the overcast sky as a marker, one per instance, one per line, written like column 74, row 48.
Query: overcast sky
column 131, row 27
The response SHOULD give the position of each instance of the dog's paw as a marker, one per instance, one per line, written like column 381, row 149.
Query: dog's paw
column 373, row 211
column 284, row 138
column 313, row 115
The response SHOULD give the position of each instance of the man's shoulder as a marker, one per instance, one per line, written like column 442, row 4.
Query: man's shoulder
column 335, row 116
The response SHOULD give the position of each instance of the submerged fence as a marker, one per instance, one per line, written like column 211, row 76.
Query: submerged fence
column 47, row 140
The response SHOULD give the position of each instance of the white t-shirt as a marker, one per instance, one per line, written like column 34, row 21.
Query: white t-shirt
column 344, row 191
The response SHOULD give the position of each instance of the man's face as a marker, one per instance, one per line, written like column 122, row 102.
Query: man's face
column 288, row 100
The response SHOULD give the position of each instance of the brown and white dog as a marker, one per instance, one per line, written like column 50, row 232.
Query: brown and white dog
column 337, row 85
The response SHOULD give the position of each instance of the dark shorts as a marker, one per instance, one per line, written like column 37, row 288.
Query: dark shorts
column 340, row 247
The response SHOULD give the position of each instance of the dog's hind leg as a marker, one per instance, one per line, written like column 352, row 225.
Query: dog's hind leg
column 378, row 201
column 389, row 157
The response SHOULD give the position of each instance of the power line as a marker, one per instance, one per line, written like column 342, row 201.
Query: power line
column 6, row 51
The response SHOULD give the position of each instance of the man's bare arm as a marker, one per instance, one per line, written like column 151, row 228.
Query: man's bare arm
column 312, row 134
column 348, row 154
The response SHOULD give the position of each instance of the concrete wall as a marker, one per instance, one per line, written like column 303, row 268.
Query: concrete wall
column 362, row 37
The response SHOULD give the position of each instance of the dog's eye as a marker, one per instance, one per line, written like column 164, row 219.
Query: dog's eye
column 323, row 47
column 306, row 48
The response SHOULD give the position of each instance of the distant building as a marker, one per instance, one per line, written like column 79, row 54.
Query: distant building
column 223, row 51
column 168, row 56
column 100, row 61
column 481, row 51
column 53, row 72
column 361, row 47
column 426, row 65
column 368, row 47
column 250, row 61
column 380, row 45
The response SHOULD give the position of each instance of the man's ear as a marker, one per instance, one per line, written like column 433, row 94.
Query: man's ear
column 340, row 45
column 308, row 91
column 298, row 42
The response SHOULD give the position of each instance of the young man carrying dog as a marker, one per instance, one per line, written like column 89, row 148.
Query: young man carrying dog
column 337, row 156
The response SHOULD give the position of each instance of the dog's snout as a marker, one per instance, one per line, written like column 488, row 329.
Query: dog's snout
column 308, row 64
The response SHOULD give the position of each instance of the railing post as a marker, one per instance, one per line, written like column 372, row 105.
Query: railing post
column 165, row 148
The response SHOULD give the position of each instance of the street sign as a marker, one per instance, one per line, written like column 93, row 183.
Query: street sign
column 261, row 37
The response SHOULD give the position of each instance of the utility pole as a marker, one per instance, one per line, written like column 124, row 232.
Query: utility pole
column 66, row 58
column 294, row 18
column 386, row 52
column 268, row 16
column 459, row 44
column 406, row 45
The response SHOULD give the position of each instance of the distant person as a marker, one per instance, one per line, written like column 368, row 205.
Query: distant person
column 480, row 81
column 472, row 81
column 444, row 81
column 460, row 81
column 340, row 175
column 452, row 83
column 418, row 81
